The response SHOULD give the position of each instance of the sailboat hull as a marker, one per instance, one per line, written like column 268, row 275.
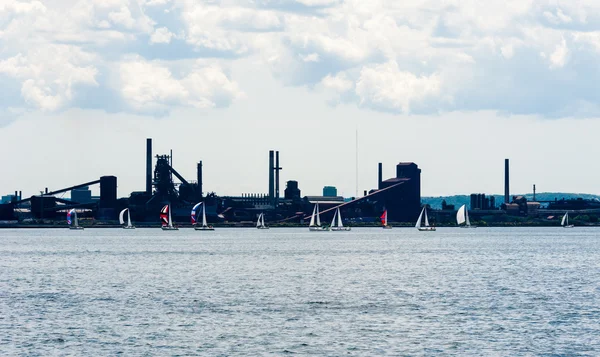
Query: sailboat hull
column 569, row 226
column 468, row 226
column 128, row 227
column 387, row 227
column 427, row 229
column 204, row 229
column 262, row 227
column 340, row 229
column 169, row 228
column 78, row 228
column 318, row 229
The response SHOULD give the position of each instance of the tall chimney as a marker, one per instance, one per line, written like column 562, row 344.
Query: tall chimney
column 534, row 192
column 149, row 166
column 200, row 177
column 506, row 182
column 271, row 175
column 277, row 168
column 380, row 176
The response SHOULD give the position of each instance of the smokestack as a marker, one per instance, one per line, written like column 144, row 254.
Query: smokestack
column 200, row 177
column 271, row 175
column 277, row 168
column 380, row 176
column 149, row 166
column 534, row 192
column 506, row 182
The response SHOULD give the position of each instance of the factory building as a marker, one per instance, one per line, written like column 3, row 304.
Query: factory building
column 292, row 192
column 479, row 201
column 329, row 191
column 82, row 195
column 402, row 197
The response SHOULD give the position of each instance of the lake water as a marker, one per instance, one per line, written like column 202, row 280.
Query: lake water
column 245, row 292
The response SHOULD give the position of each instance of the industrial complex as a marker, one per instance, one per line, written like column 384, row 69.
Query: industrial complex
column 399, row 196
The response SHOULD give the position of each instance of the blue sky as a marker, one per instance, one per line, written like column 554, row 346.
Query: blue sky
column 455, row 86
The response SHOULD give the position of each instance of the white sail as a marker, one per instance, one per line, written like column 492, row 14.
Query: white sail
column 334, row 219
column 460, row 215
column 170, row 220
column 467, row 217
column 75, row 223
column 318, row 218
column 258, row 220
column 418, row 225
column 204, row 216
column 262, row 219
column 312, row 218
column 121, row 220
column 339, row 218
column 128, row 218
column 426, row 218
column 565, row 219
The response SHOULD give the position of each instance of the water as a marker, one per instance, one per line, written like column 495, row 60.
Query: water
column 245, row 292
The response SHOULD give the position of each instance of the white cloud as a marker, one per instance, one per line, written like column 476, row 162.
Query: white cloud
column 161, row 35
column 318, row 2
column 444, row 54
column 229, row 30
column 386, row 87
column 50, row 74
column 339, row 83
column 151, row 87
column 559, row 57
column 558, row 18
column 313, row 57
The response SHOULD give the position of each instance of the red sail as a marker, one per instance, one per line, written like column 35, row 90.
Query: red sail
column 164, row 215
column 384, row 217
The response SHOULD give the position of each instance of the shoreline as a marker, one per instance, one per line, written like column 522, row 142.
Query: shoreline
column 187, row 226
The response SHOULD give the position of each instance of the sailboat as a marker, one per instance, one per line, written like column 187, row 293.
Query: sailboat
column 565, row 221
column 338, row 225
column 384, row 220
column 122, row 221
column 315, row 220
column 260, row 223
column 165, row 218
column 204, row 226
column 462, row 216
column 427, row 227
column 73, row 223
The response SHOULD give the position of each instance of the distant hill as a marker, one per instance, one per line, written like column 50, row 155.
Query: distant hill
column 459, row 200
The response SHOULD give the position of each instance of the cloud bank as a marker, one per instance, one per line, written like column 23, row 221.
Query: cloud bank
column 408, row 57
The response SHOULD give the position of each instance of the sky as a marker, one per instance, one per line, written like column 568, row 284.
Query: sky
column 454, row 86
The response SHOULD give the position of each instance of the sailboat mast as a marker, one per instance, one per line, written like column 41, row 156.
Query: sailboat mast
column 318, row 217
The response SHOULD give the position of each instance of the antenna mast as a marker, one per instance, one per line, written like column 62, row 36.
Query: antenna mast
column 356, row 194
